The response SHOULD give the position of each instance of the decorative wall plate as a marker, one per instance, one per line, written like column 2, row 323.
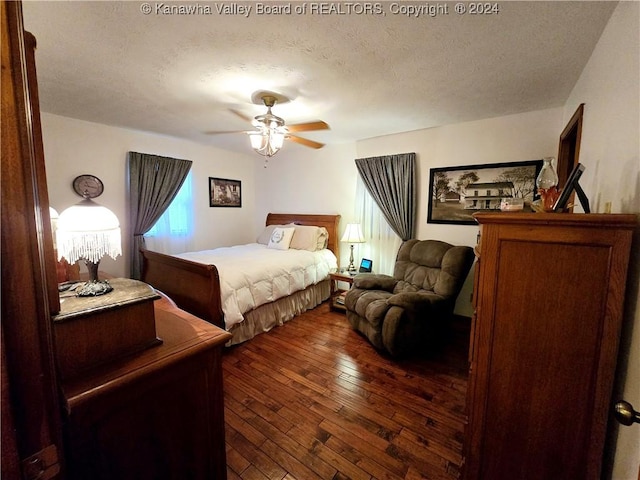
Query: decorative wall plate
column 88, row 186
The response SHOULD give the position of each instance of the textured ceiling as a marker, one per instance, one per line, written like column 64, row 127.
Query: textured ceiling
column 366, row 75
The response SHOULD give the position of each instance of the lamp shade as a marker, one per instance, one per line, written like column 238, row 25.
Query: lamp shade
column 267, row 141
column 353, row 234
column 88, row 230
column 258, row 141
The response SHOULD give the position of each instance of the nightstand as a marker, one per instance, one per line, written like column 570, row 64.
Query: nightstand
column 337, row 294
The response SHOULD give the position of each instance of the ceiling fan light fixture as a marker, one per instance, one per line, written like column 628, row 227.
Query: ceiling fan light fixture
column 277, row 139
column 267, row 141
column 270, row 131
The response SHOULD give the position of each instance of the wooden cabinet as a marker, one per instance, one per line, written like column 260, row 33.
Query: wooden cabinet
column 158, row 413
column 548, row 313
column 91, row 331
column 30, row 433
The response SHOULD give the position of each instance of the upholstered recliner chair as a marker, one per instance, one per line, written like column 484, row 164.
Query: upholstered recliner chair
column 401, row 312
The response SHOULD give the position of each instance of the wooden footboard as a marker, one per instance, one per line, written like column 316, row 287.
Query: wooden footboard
column 194, row 287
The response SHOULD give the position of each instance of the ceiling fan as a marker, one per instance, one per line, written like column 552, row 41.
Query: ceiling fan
column 270, row 130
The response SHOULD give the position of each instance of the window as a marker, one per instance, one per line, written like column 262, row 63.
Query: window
column 382, row 242
column 173, row 232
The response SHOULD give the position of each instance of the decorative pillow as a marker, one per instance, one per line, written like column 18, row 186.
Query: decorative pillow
column 265, row 236
column 309, row 238
column 281, row 238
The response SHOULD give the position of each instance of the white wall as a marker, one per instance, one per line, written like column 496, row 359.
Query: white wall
column 610, row 150
column 303, row 180
column 73, row 147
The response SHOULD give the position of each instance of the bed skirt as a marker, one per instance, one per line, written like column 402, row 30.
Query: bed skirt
column 265, row 317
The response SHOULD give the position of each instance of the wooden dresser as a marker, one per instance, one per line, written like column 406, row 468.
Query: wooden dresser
column 548, row 298
column 157, row 413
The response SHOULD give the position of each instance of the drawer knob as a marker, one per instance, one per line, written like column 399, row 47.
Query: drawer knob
column 625, row 413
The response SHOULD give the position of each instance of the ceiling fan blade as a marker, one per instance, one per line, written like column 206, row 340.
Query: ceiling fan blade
column 221, row 132
column 306, row 127
column 304, row 141
column 241, row 115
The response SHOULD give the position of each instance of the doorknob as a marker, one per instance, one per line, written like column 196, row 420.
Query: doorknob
column 625, row 413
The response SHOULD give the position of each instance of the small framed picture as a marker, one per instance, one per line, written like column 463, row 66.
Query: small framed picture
column 224, row 192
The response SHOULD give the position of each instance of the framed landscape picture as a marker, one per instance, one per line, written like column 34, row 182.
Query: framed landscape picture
column 456, row 193
column 224, row 192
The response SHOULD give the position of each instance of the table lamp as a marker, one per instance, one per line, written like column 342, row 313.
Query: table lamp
column 352, row 234
column 89, row 231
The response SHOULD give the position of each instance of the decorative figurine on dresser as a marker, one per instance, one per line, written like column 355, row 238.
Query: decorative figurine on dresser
column 548, row 299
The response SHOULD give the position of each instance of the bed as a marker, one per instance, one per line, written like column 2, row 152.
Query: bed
column 193, row 281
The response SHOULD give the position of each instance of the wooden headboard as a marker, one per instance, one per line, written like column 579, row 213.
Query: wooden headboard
column 330, row 222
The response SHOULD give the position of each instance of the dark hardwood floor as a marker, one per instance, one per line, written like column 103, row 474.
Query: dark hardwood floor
column 313, row 400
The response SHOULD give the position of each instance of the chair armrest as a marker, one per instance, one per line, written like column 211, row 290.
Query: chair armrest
column 374, row 281
column 415, row 301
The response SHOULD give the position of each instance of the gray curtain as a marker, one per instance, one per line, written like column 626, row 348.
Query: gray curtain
column 154, row 181
column 391, row 181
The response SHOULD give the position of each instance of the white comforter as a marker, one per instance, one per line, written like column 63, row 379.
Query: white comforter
column 252, row 275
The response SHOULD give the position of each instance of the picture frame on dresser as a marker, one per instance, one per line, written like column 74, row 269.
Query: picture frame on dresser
column 572, row 185
column 453, row 199
column 224, row 192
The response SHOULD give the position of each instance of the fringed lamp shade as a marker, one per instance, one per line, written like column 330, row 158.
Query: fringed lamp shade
column 88, row 231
